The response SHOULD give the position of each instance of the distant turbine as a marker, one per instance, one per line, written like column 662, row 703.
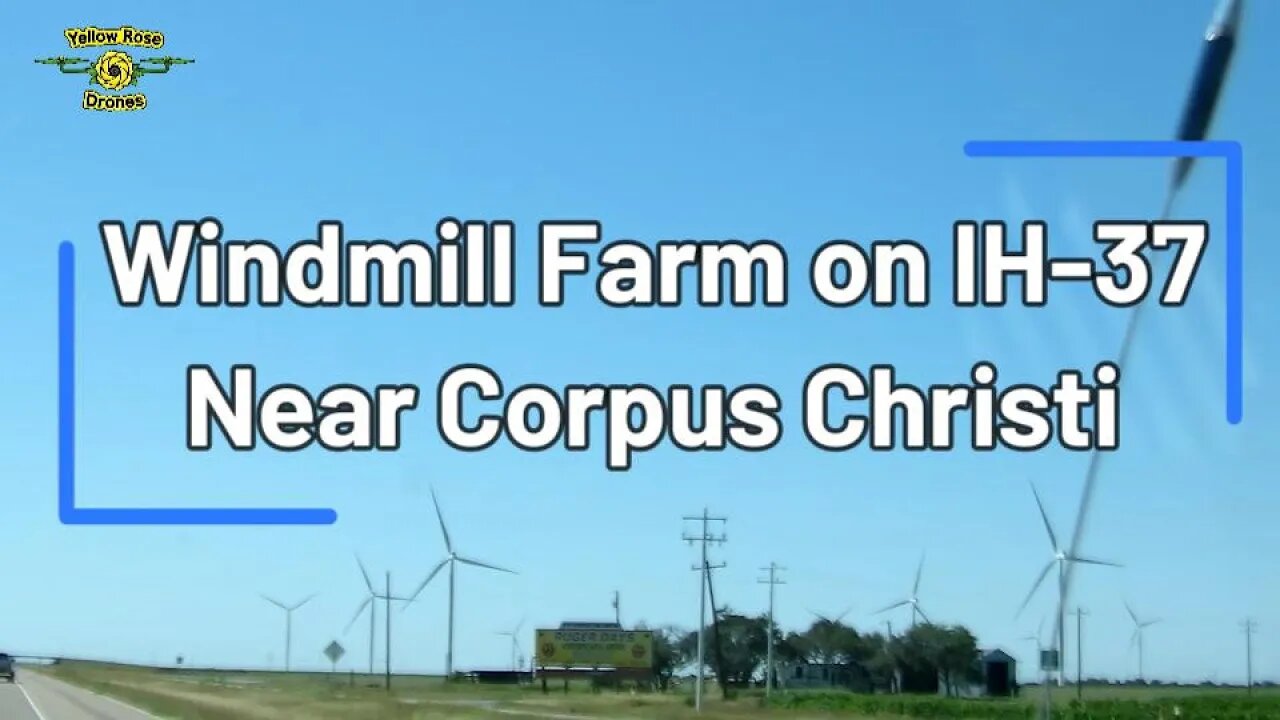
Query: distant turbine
column 515, row 643
column 288, row 624
column 913, row 600
column 1062, row 559
column 831, row 621
column 1138, row 627
column 451, row 559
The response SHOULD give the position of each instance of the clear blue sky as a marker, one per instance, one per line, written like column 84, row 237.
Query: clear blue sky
column 795, row 122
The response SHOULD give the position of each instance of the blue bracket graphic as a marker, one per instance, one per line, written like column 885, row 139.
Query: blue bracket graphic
column 68, row 513
column 1228, row 150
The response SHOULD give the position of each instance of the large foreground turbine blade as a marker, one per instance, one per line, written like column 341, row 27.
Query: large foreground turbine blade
column 448, row 544
column 275, row 602
column 916, row 607
column 359, row 611
column 1211, row 75
column 1197, row 116
column 1048, row 526
column 1036, row 586
column 898, row 604
column 1093, row 561
column 477, row 563
column 368, row 583
column 1132, row 614
column 431, row 576
column 915, row 588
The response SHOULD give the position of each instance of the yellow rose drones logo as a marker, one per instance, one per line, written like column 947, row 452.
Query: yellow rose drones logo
column 114, row 70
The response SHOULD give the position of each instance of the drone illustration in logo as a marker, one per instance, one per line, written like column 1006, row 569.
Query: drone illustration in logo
column 114, row 70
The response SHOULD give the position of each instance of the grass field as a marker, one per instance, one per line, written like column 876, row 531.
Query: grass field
column 203, row 695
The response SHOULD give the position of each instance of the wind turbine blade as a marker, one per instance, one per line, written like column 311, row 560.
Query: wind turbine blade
column 1197, row 115
column 1132, row 614
column 1048, row 526
column 1150, row 622
column 477, row 563
column 898, row 604
column 921, row 611
column 1039, row 580
column 843, row 615
column 1133, row 639
column 275, row 602
column 434, row 571
column 304, row 601
column 519, row 626
column 368, row 583
column 1092, row 561
column 359, row 612
column 448, row 544
column 821, row 617
column 915, row 588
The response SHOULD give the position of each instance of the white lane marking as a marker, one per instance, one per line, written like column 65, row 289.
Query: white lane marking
column 32, row 703
column 108, row 698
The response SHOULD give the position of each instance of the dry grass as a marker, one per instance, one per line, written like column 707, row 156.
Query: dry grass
column 197, row 695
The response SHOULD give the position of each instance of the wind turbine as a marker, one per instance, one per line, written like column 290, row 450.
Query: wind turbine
column 832, row 621
column 913, row 599
column 370, row 603
column 1061, row 558
column 288, row 624
column 1138, row 627
column 515, row 642
column 1038, row 639
column 452, row 558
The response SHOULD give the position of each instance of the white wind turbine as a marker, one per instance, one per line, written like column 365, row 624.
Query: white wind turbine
column 1138, row 627
column 288, row 624
column 452, row 559
column 515, row 643
column 1062, row 559
column 913, row 600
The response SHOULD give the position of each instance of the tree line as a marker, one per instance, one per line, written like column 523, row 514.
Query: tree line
column 926, row 658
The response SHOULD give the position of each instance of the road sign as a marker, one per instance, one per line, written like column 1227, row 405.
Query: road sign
column 1048, row 660
column 334, row 652
column 599, row 648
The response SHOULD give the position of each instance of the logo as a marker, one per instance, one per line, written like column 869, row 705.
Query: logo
column 114, row 70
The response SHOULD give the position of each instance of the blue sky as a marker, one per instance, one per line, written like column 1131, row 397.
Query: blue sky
column 663, row 120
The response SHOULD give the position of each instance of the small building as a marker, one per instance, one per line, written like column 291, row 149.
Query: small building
column 995, row 675
column 794, row 676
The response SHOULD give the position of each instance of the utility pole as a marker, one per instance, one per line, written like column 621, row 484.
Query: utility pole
column 704, row 538
column 617, row 608
column 773, row 582
column 389, row 596
column 1250, row 627
column 1080, row 613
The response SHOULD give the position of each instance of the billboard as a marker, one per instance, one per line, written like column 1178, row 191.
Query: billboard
column 603, row 648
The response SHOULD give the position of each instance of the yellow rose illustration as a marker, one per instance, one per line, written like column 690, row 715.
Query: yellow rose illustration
column 113, row 70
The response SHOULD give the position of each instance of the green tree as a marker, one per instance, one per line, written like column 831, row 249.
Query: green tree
column 668, row 656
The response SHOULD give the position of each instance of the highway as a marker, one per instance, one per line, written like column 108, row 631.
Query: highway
column 37, row 697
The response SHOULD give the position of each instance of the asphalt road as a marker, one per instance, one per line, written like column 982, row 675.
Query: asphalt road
column 37, row 697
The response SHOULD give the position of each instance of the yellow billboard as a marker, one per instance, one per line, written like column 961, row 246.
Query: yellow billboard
column 595, row 648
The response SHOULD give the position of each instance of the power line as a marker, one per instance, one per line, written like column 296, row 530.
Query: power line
column 704, row 538
column 773, row 582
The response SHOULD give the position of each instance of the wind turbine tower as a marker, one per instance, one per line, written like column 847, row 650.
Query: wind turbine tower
column 452, row 559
